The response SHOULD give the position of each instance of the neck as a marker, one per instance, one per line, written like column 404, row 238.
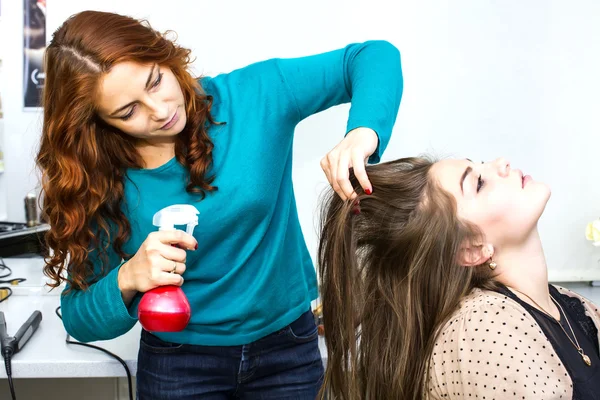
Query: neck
column 156, row 152
column 523, row 267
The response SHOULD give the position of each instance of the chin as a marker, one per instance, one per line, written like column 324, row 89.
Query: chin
column 178, row 128
column 538, row 189
column 546, row 191
column 182, row 122
column 542, row 200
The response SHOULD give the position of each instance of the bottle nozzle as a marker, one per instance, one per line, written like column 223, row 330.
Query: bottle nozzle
column 178, row 214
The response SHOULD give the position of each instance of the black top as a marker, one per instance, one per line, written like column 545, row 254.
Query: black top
column 586, row 380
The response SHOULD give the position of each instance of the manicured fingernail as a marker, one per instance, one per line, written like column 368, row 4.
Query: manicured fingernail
column 196, row 246
column 368, row 191
column 356, row 210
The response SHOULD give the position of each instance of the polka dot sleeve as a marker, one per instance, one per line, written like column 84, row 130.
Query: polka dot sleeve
column 492, row 348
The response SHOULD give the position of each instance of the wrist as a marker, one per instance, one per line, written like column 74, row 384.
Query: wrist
column 123, row 279
column 366, row 136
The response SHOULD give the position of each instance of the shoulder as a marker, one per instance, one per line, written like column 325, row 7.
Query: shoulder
column 584, row 300
column 261, row 81
column 591, row 309
column 487, row 304
column 491, row 342
column 484, row 315
column 261, row 69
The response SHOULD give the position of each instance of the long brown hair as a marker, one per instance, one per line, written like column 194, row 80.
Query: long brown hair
column 83, row 160
column 390, row 279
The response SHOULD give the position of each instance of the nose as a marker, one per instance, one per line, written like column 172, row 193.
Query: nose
column 159, row 110
column 503, row 166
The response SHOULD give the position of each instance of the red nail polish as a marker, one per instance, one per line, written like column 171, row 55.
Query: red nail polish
column 356, row 210
column 196, row 247
column 368, row 191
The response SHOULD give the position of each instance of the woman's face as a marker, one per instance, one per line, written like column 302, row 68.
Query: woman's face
column 505, row 204
column 142, row 100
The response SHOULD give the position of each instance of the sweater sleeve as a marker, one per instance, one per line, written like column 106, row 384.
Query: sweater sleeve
column 98, row 313
column 495, row 351
column 368, row 75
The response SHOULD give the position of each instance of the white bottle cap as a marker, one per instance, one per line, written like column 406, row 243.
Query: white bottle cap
column 177, row 214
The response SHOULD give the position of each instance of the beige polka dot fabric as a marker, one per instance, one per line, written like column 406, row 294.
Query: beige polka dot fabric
column 492, row 348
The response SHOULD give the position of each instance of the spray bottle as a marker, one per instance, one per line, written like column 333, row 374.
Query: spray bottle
column 166, row 308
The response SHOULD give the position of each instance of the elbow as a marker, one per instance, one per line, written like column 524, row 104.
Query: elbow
column 391, row 56
column 75, row 334
column 74, row 321
column 78, row 329
column 395, row 63
column 84, row 325
column 68, row 318
column 70, row 322
column 387, row 47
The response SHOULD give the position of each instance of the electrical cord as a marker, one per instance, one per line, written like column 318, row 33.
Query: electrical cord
column 14, row 281
column 4, row 267
column 7, row 355
column 5, row 293
column 119, row 359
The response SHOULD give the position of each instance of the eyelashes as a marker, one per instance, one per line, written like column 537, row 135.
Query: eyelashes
column 155, row 84
column 126, row 117
column 158, row 80
column 480, row 183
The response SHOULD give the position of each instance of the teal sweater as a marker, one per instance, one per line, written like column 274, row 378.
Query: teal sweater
column 252, row 273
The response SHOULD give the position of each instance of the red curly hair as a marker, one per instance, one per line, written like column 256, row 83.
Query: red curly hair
column 83, row 160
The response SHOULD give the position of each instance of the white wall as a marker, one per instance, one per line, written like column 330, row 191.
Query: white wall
column 482, row 79
column 21, row 129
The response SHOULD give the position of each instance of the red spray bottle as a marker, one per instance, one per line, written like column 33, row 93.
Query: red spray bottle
column 166, row 308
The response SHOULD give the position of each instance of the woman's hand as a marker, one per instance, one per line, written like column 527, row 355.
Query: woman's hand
column 352, row 152
column 159, row 261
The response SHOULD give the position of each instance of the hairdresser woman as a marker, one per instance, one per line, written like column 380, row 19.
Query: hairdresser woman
column 128, row 131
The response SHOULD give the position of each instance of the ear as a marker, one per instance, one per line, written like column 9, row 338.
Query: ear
column 473, row 255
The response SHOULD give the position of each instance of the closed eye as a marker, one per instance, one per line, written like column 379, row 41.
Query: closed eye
column 129, row 114
column 480, row 183
column 154, row 84
column 157, row 81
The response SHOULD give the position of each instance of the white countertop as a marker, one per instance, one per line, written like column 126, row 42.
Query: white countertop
column 47, row 355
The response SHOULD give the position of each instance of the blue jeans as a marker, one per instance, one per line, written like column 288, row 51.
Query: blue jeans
column 283, row 365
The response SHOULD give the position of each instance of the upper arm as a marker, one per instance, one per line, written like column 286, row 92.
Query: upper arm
column 289, row 90
column 321, row 81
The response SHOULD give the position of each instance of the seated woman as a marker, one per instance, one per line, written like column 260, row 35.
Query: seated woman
column 436, row 286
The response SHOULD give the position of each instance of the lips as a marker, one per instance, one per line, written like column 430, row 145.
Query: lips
column 525, row 179
column 171, row 122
